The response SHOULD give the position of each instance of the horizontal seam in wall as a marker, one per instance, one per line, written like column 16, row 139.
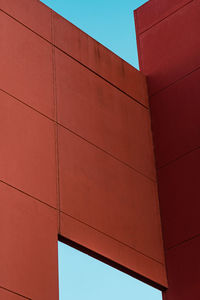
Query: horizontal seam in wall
column 15, row 293
column 170, row 14
column 183, row 242
column 34, row 198
column 29, row 106
column 109, row 82
column 173, row 83
column 179, row 157
column 27, row 194
column 97, row 147
column 111, row 155
column 111, row 237
column 51, row 43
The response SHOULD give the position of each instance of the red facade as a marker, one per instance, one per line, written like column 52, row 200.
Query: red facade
column 168, row 34
column 77, row 155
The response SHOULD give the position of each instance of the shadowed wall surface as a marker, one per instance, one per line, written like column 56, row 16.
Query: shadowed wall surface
column 76, row 155
column 169, row 45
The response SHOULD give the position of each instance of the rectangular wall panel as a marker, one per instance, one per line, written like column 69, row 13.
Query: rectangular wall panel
column 147, row 16
column 179, row 194
column 170, row 49
column 183, row 271
column 26, row 61
column 28, row 252
column 113, row 250
column 99, row 59
column 103, row 115
column 176, row 120
column 33, row 14
column 109, row 196
column 27, row 150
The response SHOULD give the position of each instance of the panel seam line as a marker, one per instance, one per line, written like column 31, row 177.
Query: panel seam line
column 15, row 293
column 112, row 238
column 170, row 14
column 27, row 194
column 56, row 124
column 183, row 242
column 179, row 157
column 73, row 58
column 76, row 134
column 173, row 83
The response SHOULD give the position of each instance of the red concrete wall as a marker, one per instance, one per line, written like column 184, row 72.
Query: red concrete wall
column 76, row 154
column 169, row 45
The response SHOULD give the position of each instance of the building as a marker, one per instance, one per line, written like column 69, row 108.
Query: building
column 77, row 155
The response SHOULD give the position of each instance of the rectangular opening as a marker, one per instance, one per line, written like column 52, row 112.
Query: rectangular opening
column 82, row 276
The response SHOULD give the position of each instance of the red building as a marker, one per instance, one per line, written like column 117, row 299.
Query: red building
column 77, row 155
column 168, row 34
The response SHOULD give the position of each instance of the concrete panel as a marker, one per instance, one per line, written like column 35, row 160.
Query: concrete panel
column 28, row 252
column 109, row 196
column 155, row 11
column 176, row 119
column 26, row 61
column 112, row 249
column 103, row 115
column 170, row 49
column 31, row 13
column 99, row 59
column 184, row 271
column 179, row 194
column 27, row 150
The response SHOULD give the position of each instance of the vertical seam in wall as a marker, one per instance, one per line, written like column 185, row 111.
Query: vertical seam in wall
column 55, row 122
column 152, row 135
column 53, row 68
column 156, row 185
column 84, row 65
column 158, row 192
column 157, row 189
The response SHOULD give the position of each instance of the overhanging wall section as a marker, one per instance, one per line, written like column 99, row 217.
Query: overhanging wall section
column 76, row 153
column 169, row 45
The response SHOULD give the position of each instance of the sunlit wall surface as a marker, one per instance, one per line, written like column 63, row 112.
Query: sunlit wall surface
column 111, row 22
column 83, row 277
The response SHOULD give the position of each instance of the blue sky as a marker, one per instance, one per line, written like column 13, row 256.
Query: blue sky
column 110, row 22
column 82, row 277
